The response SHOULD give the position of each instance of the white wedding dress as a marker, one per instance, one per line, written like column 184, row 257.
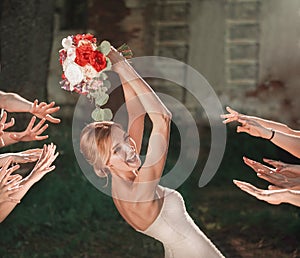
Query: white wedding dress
column 180, row 236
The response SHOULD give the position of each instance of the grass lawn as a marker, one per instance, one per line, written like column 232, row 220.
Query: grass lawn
column 65, row 216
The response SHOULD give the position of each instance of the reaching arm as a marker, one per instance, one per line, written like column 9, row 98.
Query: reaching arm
column 42, row 167
column 13, row 102
column 31, row 133
column 271, row 196
column 288, row 142
column 233, row 115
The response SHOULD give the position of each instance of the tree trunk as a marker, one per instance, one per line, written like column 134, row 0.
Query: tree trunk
column 26, row 40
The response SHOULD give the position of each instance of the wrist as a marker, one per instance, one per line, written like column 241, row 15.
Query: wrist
column 272, row 134
column 31, row 107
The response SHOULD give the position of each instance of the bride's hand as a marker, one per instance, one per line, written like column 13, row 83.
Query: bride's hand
column 115, row 56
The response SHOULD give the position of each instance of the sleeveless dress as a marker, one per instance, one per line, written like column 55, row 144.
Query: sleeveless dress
column 178, row 233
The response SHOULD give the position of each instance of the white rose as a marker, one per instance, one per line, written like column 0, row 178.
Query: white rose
column 67, row 42
column 71, row 53
column 74, row 74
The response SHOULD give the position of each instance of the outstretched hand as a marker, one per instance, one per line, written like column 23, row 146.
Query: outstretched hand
column 32, row 132
column 44, row 110
column 43, row 165
column 289, row 170
column 4, row 126
column 270, row 196
column 9, row 184
column 232, row 116
column 253, row 128
column 277, row 179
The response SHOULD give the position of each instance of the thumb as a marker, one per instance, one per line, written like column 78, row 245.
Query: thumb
column 242, row 129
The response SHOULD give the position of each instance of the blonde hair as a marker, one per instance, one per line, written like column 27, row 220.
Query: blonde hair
column 95, row 145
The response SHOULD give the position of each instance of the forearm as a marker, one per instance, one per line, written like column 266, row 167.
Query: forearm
column 287, row 142
column 13, row 102
column 292, row 197
column 150, row 101
column 136, row 115
column 275, row 125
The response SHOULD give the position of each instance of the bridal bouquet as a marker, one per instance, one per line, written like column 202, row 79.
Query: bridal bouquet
column 84, row 65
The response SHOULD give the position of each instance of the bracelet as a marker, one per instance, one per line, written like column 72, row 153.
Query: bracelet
column 273, row 134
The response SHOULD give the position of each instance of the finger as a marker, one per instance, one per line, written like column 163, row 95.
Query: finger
column 228, row 120
column 53, row 120
column 42, row 105
column 9, row 124
column 35, row 103
column 14, row 200
column 274, row 163
column 273, row 187
column 41, row 138
column 31, row 123
column 13, row 183
column 47, row 170
column 230, row 110
column 4, row 168
column 50, row 105
column 3, row 118
column 39, row 125
column 242, row 129
column 51, row 110
column 11, row 177
column 40, row 131
column 9, row 172
column 2, row 144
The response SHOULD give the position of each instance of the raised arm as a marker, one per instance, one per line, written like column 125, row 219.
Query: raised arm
column 160, row 116
column 233, row 115
column 13, row 102
column 136, row 112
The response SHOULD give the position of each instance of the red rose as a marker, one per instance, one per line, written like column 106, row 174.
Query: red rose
column 83, row 54
column 98, row 60
column 89, row 37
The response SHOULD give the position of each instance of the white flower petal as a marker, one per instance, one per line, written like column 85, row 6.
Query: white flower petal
column 73, row 73
column 67, row 42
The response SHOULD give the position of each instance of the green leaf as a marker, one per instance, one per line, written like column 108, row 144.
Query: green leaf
column 100, row 114
column 105, row 47
column 108, row 115
column 106, row 84
column 108, row 64
column 102, row 99
column 102, row 76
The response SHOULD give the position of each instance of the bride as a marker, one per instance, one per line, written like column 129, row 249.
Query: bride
column 149, row 208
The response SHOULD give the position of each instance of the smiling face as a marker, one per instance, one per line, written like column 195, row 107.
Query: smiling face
column 123, row 151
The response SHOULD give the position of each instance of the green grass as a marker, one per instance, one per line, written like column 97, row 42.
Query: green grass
column 65, row 216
